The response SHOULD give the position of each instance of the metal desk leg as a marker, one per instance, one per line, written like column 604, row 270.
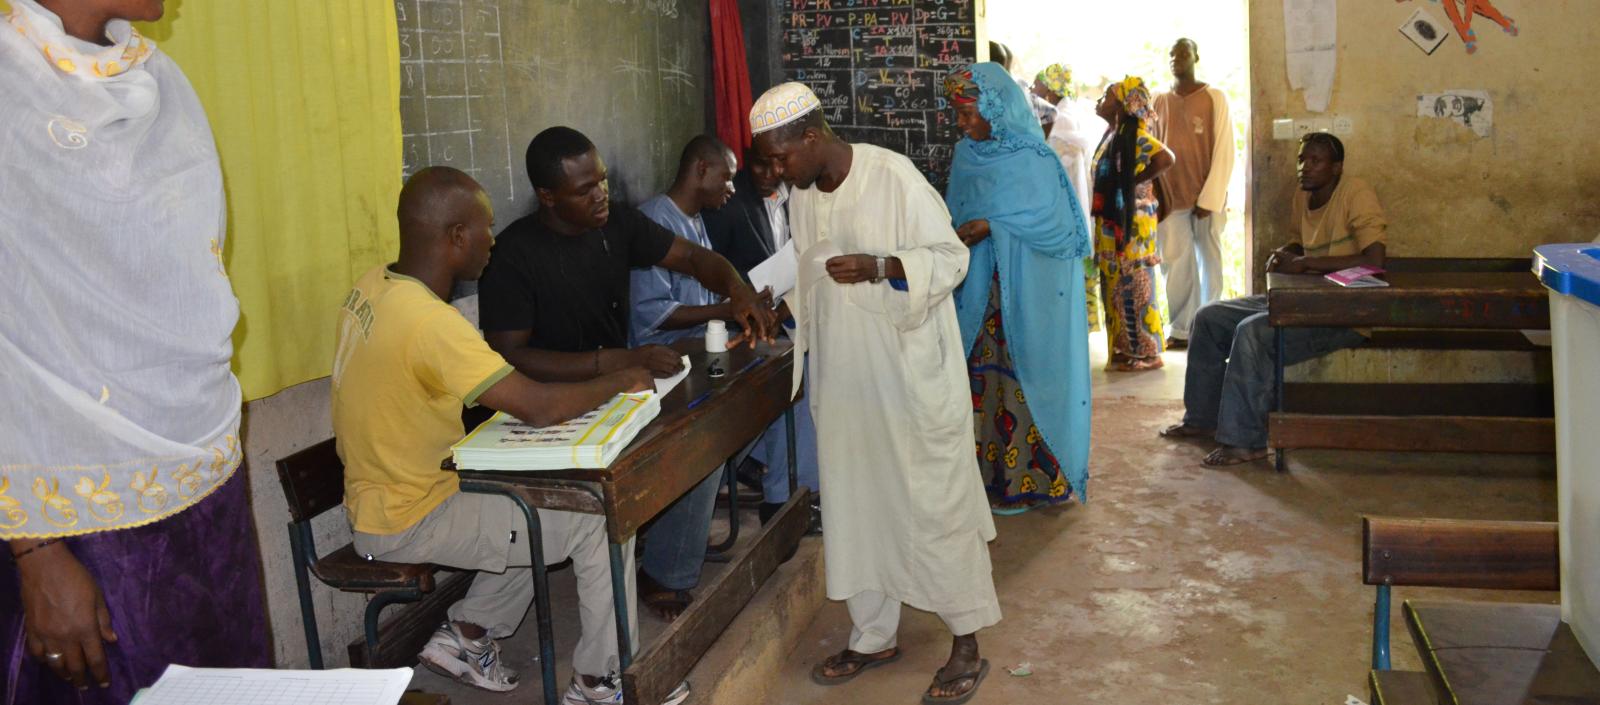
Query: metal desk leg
column 541, row 589
column 1380, row 630
column 718, row 553
column 788, row 430
column 1277, row 386
column 619, row 598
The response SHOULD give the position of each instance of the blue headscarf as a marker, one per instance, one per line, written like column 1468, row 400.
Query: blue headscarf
column 1037, row 241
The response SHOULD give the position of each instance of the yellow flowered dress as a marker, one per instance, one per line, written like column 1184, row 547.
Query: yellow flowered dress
column 1127, row 264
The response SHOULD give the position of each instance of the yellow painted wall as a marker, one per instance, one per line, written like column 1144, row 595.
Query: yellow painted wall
column 1447, row 192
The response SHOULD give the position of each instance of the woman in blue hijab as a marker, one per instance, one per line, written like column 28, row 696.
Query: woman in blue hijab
column 1021, row 307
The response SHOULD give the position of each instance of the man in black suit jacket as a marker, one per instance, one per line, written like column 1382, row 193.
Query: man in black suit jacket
column 742, row 229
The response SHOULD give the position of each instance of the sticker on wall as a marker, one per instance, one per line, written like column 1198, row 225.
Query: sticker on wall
column 1424, row 30
column 1471, row 109
column 1461, row 13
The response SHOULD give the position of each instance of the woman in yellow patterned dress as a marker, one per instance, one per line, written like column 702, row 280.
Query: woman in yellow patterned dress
column 1124, row 208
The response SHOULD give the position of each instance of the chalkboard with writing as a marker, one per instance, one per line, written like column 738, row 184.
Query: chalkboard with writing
column 479, row 78
column 878, row 67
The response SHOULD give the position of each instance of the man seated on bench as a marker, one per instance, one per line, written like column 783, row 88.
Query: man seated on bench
column 406, row 363
column 1227, row 390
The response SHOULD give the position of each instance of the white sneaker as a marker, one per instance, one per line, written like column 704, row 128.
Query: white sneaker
column 609, row 690
column 473, row 662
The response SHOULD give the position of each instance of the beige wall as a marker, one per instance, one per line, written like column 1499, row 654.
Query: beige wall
column 1447, row 192
column 274, row 427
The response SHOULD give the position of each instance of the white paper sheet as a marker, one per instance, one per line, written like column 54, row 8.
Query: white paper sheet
column 181, row 685
column 1310, row 42
column 1424, row 30
column 778, row 272
column 666, row 384
column 1469, row 108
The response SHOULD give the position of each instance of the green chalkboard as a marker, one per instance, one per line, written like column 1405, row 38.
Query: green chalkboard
column 479, row 78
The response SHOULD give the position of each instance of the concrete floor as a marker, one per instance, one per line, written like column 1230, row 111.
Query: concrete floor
column 1179, row 583
column 1176, row 584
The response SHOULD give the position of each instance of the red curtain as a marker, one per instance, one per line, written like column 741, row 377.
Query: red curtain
column 730, row 76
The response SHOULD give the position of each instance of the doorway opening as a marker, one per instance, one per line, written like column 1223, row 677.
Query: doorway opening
column 1103, row 42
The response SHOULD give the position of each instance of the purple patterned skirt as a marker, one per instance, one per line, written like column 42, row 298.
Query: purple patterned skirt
column 183, row 590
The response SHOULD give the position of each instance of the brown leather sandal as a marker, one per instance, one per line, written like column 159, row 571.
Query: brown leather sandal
column 859, row 661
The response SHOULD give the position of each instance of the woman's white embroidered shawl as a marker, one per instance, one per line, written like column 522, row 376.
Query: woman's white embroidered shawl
column 117, row 406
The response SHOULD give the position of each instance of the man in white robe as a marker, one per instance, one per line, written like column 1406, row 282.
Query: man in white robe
column 906, row 519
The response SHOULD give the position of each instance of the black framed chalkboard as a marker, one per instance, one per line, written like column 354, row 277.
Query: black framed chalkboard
column 878, row 67
column 479, row 78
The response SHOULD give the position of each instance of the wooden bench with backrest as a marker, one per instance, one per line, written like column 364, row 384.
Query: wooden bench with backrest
column 1450, row 553
column 313, row 483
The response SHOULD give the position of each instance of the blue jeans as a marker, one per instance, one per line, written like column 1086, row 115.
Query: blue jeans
column 773, row 450
column 1228, row 386
column 675, row 546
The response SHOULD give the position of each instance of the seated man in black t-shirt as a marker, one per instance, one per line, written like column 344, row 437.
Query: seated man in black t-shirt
column 555, row 303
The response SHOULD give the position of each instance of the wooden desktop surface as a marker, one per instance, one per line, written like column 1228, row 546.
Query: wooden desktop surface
column 1504, row 300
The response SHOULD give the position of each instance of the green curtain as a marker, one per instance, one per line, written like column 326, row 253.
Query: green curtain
column 304, row 99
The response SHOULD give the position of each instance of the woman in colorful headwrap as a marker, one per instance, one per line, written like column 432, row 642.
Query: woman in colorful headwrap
column 127, row 522
column 1021, row 307
column 1125, row 167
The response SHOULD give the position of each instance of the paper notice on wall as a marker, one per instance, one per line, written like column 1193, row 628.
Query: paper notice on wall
column 1468, row 108
column 1310, row 37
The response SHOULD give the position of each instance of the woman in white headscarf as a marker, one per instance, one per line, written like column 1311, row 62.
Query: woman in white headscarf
column 128, row 528
column 1073, row 136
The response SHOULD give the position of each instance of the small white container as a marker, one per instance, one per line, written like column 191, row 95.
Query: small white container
column 716, row 336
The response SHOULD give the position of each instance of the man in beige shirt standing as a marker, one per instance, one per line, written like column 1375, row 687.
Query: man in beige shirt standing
column 1194, row 124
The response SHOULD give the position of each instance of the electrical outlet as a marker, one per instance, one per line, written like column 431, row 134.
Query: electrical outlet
column 1322, row 125
column 1343, row 126
column 1303, row 127
column 1283, row 129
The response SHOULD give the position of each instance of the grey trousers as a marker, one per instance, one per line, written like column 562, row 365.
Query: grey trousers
column 473, row 532
column 1228, row 385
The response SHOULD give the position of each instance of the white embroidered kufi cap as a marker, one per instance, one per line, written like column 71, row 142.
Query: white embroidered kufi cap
column 781, row 105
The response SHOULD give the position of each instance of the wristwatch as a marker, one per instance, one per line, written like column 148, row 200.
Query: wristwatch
column 883, row 262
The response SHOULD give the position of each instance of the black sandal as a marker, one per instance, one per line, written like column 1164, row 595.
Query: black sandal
column 849, row 658
column 928, row 698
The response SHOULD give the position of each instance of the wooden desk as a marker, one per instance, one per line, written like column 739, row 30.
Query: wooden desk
column 672, row 455
column 1473, row 295
column 1500, row 300
column 1482, row 653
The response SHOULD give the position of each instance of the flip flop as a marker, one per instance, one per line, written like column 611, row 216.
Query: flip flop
column 850, row 657
column 1013, row 511
column 977, row 679
column 1230, row 459
column 661, row 600
column 1186, row 431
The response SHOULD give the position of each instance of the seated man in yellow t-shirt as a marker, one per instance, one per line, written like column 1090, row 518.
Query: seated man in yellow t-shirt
column 1227, row 391
column 406, row 363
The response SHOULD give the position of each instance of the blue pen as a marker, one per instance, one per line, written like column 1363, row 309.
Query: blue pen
column 751, row 365
column 697, row 401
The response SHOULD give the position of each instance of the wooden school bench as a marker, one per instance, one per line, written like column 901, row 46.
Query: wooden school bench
column 1489, row 653
column 1430, row 304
